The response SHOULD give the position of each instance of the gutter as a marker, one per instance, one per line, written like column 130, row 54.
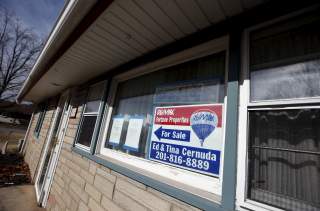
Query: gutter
column 53, row 36
column 45, row 61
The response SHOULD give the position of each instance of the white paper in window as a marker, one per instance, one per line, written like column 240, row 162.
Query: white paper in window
column 133, row 133
column 116, row 130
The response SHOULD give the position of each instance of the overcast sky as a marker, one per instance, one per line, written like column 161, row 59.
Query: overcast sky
column 40, row 15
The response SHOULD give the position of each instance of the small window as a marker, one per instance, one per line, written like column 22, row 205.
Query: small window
column 90, row 115
column 283, row 133
column 41, row 115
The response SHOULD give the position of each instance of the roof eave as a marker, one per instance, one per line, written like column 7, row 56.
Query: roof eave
column 70, row 21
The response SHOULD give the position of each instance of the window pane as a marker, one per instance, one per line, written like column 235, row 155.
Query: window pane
column 96, row 91
column 291, row 81
column 190, row 93
column 284, row 158
column 284, row 60
column 94, row 97
column 197, row 81
column 86, row 130
column 41, row 116
column 38, row 125
column 92, row 106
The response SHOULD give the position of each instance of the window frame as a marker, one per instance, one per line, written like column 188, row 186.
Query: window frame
column 98, row 114
column 246, row 105
column 139, row 165
column 41, row 116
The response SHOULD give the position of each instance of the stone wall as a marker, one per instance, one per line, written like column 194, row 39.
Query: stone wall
column 35, row 145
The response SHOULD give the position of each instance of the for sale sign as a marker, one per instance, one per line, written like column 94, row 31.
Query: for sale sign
column 188, row 136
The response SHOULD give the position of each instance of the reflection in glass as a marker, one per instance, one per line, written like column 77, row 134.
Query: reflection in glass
column 285, row 59
column 190, row 93
column 291, row 81
column 92, row 106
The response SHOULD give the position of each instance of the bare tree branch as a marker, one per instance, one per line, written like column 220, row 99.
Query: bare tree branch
column 19, row 48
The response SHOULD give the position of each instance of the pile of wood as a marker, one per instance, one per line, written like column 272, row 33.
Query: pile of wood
column 13, row 170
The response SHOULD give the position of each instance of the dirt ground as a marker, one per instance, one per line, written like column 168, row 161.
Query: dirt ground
column 16, row 192
column 18, row 198
column 13, row 170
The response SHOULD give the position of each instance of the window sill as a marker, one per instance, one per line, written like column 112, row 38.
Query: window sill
column 256, row 205
column 82, row 147
column 182, row 195
column 179, row 178
column 253, row 205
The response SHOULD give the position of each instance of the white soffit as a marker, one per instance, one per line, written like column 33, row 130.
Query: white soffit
column 129, row 29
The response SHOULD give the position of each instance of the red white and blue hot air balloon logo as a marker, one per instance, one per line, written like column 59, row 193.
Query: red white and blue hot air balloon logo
column 203, row 123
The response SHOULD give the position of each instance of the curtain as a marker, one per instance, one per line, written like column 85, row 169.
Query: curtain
column 284, row 158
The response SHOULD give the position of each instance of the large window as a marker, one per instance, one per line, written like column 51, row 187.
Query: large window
column 41, row 115
column 283, row 115
column 89, row 117
column 195, row 82
column 189, row 94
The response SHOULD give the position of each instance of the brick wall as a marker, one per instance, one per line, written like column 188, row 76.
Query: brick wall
column 81, row 184
column 34, row 145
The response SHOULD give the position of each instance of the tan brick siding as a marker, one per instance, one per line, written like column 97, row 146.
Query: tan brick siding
column 80, row 184
column 35, row 145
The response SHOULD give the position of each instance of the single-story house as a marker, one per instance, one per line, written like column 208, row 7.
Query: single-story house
column 177, row 105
